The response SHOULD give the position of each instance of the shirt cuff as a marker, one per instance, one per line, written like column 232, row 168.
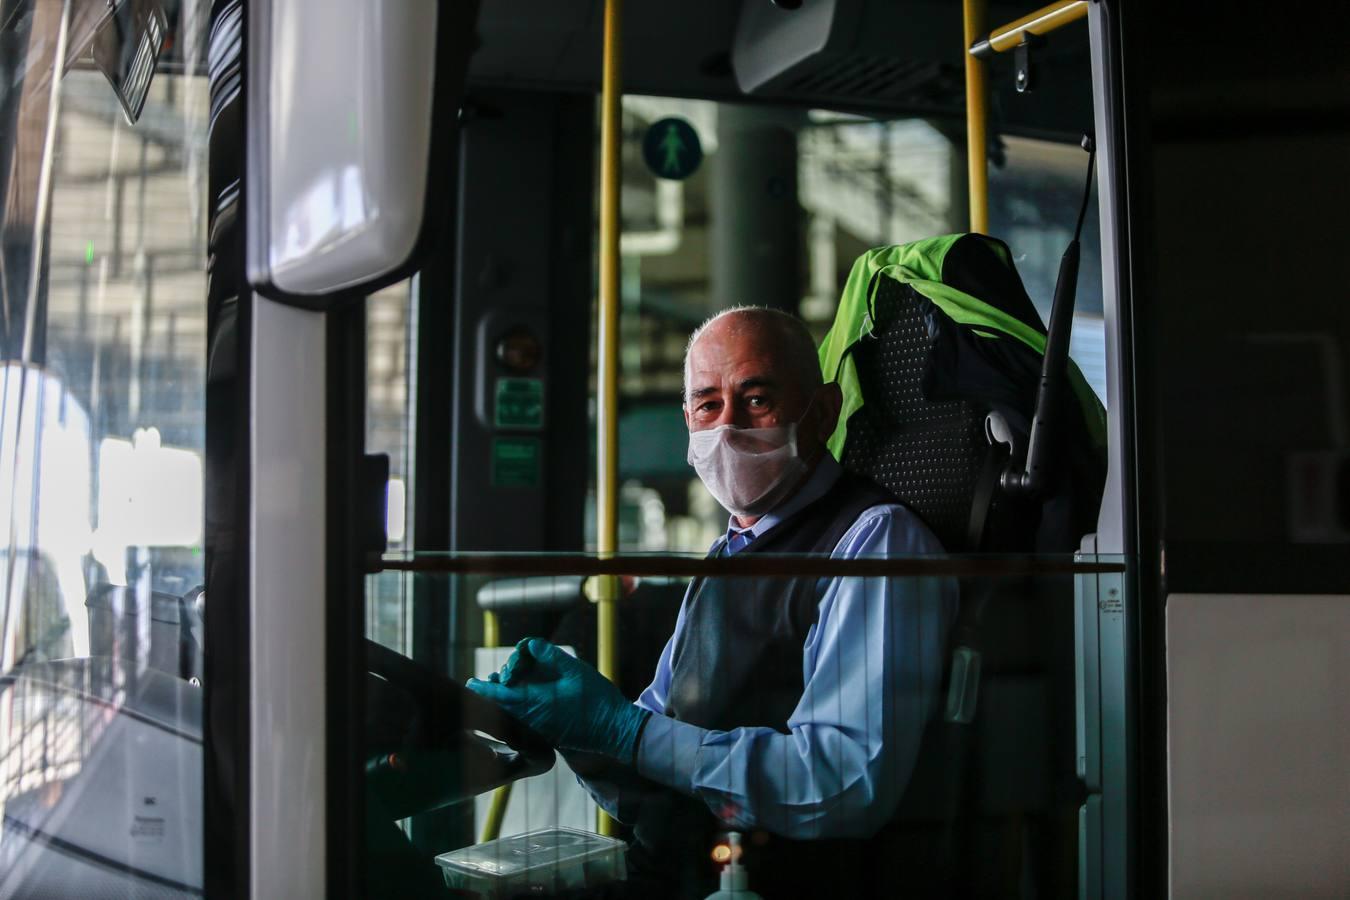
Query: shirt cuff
column 645, row 716
column 668, row 752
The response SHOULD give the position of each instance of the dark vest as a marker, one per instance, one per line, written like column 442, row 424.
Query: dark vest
column 739, row 659
column 738, row 663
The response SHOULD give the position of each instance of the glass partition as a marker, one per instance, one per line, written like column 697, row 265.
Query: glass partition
column 391, row 350
column 907, row 723
column 776, row 211
column 102, row 395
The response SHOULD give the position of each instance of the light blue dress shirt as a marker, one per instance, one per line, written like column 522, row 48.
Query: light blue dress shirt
column 872, row 668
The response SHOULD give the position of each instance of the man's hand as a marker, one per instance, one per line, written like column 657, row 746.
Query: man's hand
column 566, row 701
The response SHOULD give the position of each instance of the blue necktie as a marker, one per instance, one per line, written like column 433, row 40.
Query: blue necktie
column 738, row 541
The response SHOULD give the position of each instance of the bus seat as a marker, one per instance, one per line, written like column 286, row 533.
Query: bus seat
column 943, row 348
column 939, row 357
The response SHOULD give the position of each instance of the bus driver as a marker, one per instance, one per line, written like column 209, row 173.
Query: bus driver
column 787, row 708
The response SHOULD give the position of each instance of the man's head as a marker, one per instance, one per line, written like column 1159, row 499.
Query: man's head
column 756, row 368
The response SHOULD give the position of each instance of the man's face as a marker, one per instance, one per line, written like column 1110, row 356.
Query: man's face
column 739, row 375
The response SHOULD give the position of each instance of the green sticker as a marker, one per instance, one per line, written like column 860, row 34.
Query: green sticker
column 520, row 403
column 515, row 462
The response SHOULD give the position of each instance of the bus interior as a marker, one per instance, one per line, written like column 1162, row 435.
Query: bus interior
column 345, row 345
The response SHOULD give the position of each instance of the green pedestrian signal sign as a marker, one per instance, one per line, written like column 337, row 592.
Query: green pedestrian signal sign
column 671, row 149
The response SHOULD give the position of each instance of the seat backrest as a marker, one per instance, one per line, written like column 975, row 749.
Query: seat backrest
column 928, row 382
column 929, row 453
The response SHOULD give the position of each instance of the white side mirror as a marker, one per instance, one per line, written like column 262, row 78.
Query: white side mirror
column 345, row 101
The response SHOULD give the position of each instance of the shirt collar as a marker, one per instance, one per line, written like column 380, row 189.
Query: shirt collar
column 821, row 479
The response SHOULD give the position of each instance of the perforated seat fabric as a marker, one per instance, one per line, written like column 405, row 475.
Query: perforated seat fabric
column 928, row 453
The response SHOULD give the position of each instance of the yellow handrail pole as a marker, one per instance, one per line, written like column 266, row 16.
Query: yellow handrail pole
column 492, row 632
column 607, row 381
column 492, row 825
column 976, row 116
column 1042, row 21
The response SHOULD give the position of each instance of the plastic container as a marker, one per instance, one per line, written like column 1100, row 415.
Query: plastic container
column 542, row 862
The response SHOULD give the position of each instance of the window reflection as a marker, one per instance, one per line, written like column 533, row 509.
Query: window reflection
column 102, row 395
column 391, row 348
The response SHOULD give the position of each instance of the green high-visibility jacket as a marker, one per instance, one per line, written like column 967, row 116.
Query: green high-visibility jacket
column 920, row 265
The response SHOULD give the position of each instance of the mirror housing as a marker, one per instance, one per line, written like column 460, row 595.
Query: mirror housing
column 349, row 102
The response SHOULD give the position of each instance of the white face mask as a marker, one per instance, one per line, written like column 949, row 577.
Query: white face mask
column 748, row 470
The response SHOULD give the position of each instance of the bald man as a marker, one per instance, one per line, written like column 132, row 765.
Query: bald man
column 788, row 708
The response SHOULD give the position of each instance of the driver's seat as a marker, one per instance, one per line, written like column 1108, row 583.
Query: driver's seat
column 931, row 339
column 937, row 348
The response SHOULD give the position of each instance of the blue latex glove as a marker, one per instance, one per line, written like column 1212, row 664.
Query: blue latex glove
column 517, row 665
column 567, row 702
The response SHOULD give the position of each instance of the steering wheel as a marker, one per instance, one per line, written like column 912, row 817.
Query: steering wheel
column 432, row 742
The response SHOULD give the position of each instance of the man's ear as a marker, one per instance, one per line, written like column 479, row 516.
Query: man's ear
column 830, row 400
column 684, row 408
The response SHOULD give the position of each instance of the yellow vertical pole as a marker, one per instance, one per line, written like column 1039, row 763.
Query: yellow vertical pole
column 492, row 632
column 496, row 814
column 607, row 387
column 976, row 118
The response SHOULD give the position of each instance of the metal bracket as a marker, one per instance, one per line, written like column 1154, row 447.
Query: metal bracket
column 1026, row 80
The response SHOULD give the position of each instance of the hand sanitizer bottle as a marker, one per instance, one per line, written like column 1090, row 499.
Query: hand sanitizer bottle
column 735, row 878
